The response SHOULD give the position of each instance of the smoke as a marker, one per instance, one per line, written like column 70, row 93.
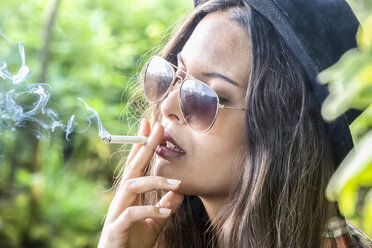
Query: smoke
column 102, row 132
column 22, row 103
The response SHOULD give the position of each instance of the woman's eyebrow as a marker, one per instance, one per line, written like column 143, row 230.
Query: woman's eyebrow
column 217, row 75
column 211, row 74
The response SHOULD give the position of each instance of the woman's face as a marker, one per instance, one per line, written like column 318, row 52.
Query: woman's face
column 207, row 168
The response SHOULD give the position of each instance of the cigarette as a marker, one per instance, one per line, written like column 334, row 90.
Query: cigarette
column 118, row 139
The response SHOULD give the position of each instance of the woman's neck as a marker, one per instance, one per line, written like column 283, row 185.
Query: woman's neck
column 213, row 205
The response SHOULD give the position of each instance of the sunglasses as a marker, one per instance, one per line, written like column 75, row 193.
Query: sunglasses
column 199, row 103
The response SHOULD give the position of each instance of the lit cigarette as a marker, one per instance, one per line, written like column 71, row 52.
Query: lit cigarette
column 117, row 139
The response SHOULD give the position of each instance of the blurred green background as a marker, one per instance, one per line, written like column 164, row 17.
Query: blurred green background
column 55, row 193
column 350, row 84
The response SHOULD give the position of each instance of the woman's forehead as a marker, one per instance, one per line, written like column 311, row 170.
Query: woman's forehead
column 219, row 44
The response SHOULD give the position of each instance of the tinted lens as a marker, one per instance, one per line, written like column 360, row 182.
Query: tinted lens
column 158, row 78
column 198, row 104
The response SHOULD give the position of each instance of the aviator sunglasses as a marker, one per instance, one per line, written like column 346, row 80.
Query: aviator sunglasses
column 198, row 102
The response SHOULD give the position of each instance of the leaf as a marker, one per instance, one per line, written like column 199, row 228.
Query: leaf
column 364, row 35
column 357, row 165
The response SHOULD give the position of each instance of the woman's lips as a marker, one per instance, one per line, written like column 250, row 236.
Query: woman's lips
column 169, row 149
column 168, row 153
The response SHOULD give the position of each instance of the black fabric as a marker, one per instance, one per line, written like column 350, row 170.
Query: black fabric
column 318, row 32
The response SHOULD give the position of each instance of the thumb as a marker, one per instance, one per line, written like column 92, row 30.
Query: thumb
column 171, row 200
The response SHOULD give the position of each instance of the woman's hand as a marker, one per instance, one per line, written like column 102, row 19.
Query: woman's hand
column 128, row 222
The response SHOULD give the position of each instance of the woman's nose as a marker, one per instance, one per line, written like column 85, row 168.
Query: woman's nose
column 170, row 108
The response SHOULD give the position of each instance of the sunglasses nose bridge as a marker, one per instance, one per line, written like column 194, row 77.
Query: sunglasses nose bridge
column 174, row 86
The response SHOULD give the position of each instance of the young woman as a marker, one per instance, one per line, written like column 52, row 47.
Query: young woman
column 237, row 153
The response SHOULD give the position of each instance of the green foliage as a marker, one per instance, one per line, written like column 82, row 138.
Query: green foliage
column 350, row 84
column 55, row 193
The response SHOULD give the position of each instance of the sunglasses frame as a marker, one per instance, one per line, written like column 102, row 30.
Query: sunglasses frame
column 171, row 87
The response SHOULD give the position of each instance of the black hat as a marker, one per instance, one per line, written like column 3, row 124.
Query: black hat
column 317, row 32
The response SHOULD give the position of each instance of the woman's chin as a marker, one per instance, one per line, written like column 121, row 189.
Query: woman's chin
column 162, row 167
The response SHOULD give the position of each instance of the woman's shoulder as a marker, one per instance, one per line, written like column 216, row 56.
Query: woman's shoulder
column 340, row 233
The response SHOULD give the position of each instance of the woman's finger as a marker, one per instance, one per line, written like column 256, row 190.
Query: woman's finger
column 137, row 166
column 172, row 201
column 138, row 213
column 144, row 130
column 128, row 193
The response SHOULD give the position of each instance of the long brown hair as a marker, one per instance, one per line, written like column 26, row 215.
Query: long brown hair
column 279, row 200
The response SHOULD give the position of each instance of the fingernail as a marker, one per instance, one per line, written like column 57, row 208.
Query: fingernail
column 157, row 126
column 143, row 122
column 153, row 127
column 173, row 181
column 165, row 211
